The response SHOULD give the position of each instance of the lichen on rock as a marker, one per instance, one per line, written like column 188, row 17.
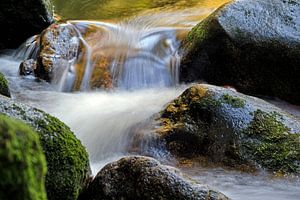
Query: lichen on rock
column 231, row 128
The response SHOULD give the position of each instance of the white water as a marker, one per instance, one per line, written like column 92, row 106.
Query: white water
column 102, row 121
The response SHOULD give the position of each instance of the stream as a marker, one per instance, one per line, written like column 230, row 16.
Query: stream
column 146, row 81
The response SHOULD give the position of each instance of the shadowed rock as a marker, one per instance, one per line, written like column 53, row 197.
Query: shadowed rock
column 145, row 178
column 253, row 45
column 21, row 19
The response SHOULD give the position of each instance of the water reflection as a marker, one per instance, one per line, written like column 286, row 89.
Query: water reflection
column 114, row 9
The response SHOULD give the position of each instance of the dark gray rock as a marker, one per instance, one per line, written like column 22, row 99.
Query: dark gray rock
column 253, row 45
column 231, row 128
column 20, row 19
column 145, row 178
column 67, row 159
column 27, row 67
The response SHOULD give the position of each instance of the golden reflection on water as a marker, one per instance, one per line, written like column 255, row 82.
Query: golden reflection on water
column 120, row 9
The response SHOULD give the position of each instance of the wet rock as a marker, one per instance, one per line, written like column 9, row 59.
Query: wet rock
column 231, row 128
column 253, row 45
column 22, row 162
column 67, row 159
column 21, row 19
column 145, row 178
column 59, row 46
column 4, row 89
column 27, row 67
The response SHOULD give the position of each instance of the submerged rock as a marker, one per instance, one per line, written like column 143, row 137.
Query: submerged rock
column 145, row 178
column 67, row 159
column 4, row 89
column 22, row 162
column 21, row 19
column 253, row 45
column 231, row 128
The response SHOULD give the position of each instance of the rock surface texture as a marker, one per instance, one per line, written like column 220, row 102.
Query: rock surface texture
column 144, row 178
column 253, row 45
column 231, row 128
column 67, row 160
column 59, row 46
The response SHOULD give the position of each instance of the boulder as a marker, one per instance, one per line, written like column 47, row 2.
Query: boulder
column 67, row 160
column 59, row 46
column 22, row 162
column 253, row 45
column 144, row 178
column 230, row 128
column 4, row 89
column 21, row 19
column 27, row 67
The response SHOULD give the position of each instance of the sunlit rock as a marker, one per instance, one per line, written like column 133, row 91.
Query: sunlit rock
column 145, row 178
column 252, row 45
column 59, row 46
column 230, row 128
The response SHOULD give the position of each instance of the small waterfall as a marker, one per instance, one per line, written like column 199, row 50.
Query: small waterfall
column 88, row 61
column 29, row 49
column 139, row 55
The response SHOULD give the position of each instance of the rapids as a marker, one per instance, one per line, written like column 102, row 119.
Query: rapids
column 144, row 63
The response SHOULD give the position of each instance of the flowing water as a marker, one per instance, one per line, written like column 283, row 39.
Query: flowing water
column 143, row 60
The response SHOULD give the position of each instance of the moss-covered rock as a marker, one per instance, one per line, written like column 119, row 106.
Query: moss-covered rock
column 67, row 159
column 231, row 128
column 253, row 45
column 144, row 178
column 22, row 162
column 21, row 19
column 4, row 89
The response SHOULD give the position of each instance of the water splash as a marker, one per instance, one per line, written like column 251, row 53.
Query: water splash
column 139, row 54
column 29, row 49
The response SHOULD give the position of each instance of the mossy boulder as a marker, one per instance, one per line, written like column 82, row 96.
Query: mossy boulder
column 144, row 178
column 67, row 160
column 22, row 162
column 21, row 19
column 253, row 45
column 4, row 89
column 231, row 128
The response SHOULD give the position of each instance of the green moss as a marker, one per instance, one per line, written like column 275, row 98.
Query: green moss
column 271, row 144
column 67, row 159
column 22, row 162
column 4, row 89
column 233, row 101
